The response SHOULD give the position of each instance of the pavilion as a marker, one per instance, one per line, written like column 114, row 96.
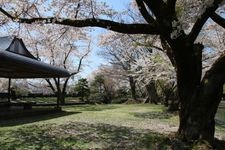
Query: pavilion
column 16, row 62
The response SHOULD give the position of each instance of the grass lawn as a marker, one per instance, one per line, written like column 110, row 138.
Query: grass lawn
column 116, row 126
column 47, row 100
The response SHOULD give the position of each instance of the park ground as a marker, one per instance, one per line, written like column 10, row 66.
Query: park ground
column 115, row 126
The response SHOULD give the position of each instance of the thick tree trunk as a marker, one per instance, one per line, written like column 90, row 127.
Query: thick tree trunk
column 200, row 121
column 152, row 96
column 198, row 100
column 133, row 87
column 60, row 92
column 189, row 67
column 61, row 97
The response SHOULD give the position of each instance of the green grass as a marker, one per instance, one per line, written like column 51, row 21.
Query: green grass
column 136, row 126
column 221, row 115
column 220, row 120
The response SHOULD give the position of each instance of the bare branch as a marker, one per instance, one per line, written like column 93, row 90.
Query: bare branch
column 57, row 83
column 218, row 19
column 77, row 10
column 171, row 5
column 158, row 7
column 163, row 14
column 35, row 7
column 67, row 56
column 6, row 13
column 107, row 24
column 217, row 72
column 169, row 51
column 60, row 9
column 51, row 85
column 147, row 45
column 144, row 11
column 92, row 9
column 150, row 28
column 81, row 59
column 28, row 9
column 63, row 33
column 202, row 20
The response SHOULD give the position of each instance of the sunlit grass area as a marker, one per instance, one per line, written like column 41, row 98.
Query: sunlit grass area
column 136, row 126
column 47, row 100
column 221, row 114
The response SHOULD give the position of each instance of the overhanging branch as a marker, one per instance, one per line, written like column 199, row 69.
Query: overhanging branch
column 144, row 12
column 158, row 7
column 107, row 24
column 202, row 20
column 172, row 5
column 51, row 85
column 218, row 19
column 149, row 28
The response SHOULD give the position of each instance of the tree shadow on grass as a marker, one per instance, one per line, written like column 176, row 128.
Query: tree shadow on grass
column 77, row 135
column 33, row 117
column 95, row 107
column 219, row 144
column 154, row 115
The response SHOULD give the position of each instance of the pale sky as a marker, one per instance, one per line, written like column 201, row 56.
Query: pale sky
column 94, row 61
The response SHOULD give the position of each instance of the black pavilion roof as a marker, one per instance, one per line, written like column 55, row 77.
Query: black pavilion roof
column 17, row 62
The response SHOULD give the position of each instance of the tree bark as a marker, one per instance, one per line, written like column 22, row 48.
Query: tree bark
column 133, row 87
column 61, row 97
column 152, row 96
column 188, row 75
column 201, row 123
column 199, row 99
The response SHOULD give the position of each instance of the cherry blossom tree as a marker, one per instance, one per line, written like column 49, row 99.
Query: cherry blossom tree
column 153, row 67
column 60, row 49
column 120, row 55
column 141, row 60
column 102, row 87
column 179, row 27
column 56, row 45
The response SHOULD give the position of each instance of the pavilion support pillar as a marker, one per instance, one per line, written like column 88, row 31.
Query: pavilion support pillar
column 9, row 90
column 58, row 94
